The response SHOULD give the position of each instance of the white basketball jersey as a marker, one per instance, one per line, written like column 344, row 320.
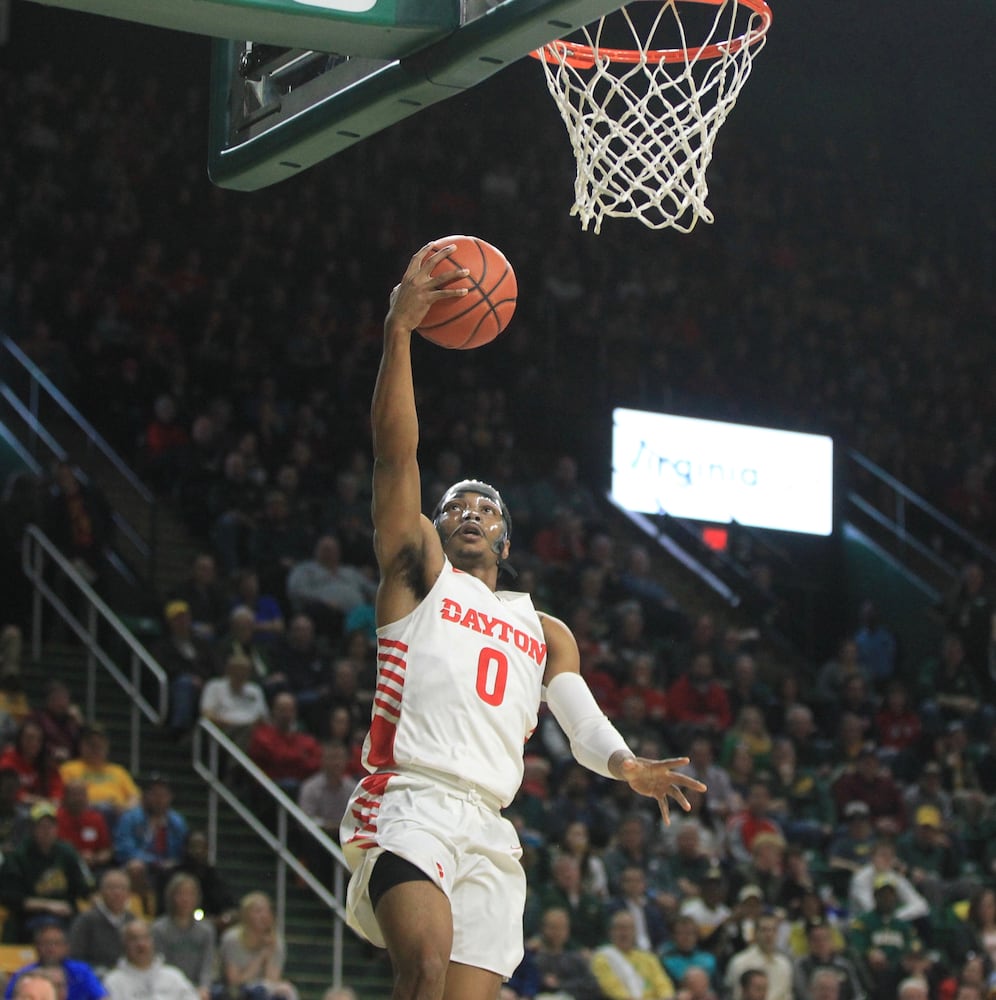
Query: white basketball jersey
column 458, row 685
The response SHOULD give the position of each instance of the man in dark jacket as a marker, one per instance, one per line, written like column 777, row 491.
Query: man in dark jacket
column 43, row 878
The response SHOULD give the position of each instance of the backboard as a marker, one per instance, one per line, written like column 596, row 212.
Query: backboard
column 277, row 110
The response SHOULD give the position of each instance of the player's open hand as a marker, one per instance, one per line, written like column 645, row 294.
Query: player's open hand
column 419, row 287
column 658, row 779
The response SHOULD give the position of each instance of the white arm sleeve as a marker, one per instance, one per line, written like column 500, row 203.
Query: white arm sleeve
column 593, row 738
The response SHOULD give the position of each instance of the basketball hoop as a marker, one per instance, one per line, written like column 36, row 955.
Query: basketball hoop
column 643, row 117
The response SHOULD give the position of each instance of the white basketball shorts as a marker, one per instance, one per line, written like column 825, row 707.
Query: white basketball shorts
column 456, row 835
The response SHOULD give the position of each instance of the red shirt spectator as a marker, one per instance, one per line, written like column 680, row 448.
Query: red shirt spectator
column 562, row 542
column 84, row 827
column 898, row 732
column 281, row 750
column 697, row 698
column 897, row 725
column 164, row 434
column 28, row 756
column 61, row 723
column 745, row 826
column 867, row 781
column 642, row 685
column 654, row 700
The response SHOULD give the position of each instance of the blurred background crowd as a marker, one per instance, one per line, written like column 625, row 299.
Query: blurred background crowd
column 226, row 344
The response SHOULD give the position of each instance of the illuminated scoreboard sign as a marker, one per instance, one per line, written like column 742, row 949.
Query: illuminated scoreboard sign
column 718, row 472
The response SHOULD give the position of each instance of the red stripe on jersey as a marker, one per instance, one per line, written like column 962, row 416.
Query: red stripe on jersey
column 380, row 751
column 376, row 784
column 362, row 826
column 367, row 806
column 388, row 707
column 394, row 691
column 390, row 675
column 392, row 652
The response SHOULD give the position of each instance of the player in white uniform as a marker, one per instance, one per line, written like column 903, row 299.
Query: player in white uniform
column 462, row 668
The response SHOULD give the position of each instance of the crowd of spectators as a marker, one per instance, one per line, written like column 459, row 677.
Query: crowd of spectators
column 115, row 931
column 850, row 815
column 849, row 828
column 103, row 876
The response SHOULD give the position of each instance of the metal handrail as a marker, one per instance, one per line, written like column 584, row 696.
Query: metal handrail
column 679, row 553
column 43, row 381
column 29, row 460
column 39, row 383
column 208, row 736
column 904, row 495
column 925, row 552
column 38, row 556
column 31, row 419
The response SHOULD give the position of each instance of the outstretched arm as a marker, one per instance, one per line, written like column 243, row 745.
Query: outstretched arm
column 397, row 501
column 595, row 742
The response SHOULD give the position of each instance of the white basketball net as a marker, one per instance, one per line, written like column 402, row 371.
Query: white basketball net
column 643, row 131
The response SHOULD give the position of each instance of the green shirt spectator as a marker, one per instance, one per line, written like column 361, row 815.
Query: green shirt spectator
column 42, row 878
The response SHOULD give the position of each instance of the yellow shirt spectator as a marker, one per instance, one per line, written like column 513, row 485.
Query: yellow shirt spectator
column 625, row 972
column 109, row 786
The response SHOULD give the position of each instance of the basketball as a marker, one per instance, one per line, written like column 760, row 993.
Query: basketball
column 479, row 316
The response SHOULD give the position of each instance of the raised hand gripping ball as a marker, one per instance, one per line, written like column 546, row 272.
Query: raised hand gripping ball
column 476, row 318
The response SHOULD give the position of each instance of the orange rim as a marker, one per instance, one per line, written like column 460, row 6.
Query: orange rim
column 584, row 56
